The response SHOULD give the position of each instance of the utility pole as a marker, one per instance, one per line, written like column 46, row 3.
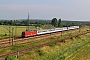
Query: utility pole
column 79, row 28
column 61, row 31
column 28, row 21
column 12, row 36
column 9, row 33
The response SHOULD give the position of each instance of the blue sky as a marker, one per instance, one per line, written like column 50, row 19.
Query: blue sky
column 45, row 9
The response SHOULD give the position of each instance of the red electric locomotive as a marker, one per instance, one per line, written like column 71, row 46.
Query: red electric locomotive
column 28, row 33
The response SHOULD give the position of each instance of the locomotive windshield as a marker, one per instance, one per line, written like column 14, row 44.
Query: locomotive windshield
column 29, row 30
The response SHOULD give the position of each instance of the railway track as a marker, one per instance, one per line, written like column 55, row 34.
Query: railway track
column 28, row 42
column 38, row 46
column 4, row 42
column 30, row 39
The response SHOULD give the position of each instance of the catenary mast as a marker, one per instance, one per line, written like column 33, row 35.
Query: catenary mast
column 28, row 22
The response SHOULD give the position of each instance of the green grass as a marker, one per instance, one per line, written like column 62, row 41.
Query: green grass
column 2, row 35
column 10, row 58
column 17, row 30
column 15, row 48
column 43, row 41
column 60, row 52
column 82, row 54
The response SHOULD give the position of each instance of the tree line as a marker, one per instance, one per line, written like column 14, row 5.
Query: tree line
column 54, row 22
column 24, row 22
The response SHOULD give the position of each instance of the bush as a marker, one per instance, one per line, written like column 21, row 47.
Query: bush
column 10, row 58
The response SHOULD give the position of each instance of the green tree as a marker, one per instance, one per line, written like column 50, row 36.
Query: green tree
column 54, row 22
column 59, row 23
column 2, row 22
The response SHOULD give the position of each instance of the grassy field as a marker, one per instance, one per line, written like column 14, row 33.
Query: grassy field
column 38, row 41
column 56, row 51
column 17, row 30
column 67, row 50
column 82, row 54
column 61, row 51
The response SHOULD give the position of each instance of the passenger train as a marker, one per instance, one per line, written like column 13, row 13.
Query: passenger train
column 28, row 33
